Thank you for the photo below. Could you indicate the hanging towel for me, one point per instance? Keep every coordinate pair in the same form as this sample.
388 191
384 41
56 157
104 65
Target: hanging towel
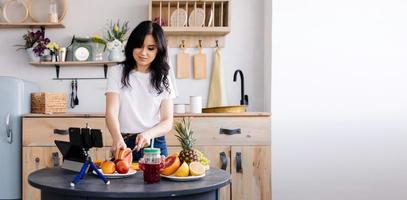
217 93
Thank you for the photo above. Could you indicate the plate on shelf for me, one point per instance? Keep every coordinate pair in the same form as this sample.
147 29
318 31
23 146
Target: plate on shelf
117 175
187 178
182 16
197 18
39 9
14 11
211 14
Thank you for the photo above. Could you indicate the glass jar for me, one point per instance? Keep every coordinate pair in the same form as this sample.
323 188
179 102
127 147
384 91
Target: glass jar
52 14
151 164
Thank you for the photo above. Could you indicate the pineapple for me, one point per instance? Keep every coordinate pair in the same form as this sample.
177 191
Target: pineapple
184 136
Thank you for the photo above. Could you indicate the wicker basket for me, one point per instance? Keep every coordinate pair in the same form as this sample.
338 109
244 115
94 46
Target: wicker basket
48 102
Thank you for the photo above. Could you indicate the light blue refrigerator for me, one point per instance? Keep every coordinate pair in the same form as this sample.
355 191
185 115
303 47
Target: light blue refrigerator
15 100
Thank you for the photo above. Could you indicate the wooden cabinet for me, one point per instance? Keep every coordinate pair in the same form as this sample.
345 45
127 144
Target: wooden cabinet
237 143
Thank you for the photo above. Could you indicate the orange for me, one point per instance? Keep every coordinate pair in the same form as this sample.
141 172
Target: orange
196 169
172 163
98 163
108 167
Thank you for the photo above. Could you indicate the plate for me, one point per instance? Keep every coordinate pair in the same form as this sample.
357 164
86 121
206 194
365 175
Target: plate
210 22
117 175
14 11
187 178
39 9
182 18
199 13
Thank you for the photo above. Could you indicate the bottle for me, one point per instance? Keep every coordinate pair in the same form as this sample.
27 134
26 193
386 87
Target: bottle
52 15
151 164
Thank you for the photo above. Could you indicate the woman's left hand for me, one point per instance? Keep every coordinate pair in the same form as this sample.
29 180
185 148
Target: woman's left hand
142 140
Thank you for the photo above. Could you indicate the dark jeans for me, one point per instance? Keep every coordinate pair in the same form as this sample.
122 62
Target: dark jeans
158 143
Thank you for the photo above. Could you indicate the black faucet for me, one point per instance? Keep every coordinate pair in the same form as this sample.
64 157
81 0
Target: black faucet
244 99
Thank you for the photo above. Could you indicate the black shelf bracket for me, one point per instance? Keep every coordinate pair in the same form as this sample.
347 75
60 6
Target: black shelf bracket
57 67
105 70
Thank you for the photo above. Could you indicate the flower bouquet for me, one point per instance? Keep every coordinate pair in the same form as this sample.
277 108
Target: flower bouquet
116 38
35 43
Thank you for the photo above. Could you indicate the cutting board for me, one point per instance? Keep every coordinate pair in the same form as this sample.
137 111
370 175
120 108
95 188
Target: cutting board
199 65
182 64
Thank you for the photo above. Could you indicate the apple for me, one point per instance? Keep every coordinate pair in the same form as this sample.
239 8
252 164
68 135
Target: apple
122 167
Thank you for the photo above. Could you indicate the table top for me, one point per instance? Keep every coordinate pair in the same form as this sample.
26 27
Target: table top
58 180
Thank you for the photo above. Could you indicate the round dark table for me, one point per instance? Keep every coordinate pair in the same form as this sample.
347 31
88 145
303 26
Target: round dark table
54 183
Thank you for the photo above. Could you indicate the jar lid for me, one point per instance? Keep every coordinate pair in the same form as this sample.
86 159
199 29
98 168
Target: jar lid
152 150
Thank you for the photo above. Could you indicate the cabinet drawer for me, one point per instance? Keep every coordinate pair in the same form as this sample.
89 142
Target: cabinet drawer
41 131
253 131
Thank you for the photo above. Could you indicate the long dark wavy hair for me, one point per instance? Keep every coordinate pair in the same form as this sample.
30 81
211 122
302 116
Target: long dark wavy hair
159 67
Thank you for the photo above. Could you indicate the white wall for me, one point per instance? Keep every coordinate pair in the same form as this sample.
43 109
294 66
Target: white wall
339 100
243 50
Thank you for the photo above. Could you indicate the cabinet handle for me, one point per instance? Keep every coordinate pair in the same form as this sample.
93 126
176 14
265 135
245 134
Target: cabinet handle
55 159
61 132
229 131
224 160
37 160
239 162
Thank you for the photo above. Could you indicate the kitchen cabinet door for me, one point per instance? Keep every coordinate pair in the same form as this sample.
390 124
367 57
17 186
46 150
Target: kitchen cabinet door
251 172
213 154
35 158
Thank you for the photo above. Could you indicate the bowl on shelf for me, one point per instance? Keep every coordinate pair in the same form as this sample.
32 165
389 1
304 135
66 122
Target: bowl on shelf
225 109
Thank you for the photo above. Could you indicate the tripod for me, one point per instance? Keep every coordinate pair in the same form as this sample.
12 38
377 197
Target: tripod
82 173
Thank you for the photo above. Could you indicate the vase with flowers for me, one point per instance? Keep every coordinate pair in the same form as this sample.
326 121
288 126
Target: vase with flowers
53 48
116 38
35 44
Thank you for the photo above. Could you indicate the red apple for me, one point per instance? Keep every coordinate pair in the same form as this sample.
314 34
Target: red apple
122 167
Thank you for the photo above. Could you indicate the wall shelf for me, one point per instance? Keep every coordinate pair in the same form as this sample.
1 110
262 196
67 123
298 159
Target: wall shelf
31 25
211 24
58 65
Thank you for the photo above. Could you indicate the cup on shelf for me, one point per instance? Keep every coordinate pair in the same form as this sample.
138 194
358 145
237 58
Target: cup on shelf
196 104
62 54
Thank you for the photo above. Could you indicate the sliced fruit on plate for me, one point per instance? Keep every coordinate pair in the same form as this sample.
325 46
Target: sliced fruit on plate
196 169
125 154
182 171
172 163
135 166
98 163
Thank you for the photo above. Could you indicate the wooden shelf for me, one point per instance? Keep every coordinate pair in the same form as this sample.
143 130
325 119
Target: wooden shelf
216 21
31 25
58 65
75 63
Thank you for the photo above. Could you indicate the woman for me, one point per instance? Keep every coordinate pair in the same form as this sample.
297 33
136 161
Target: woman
139 93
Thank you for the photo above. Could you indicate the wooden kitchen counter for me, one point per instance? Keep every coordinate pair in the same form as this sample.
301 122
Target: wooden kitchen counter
102 115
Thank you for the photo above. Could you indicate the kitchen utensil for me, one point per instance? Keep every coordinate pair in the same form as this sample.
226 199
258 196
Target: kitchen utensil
200 64
197 18
72 103
179 18
217 93
76 101
225 109
183 64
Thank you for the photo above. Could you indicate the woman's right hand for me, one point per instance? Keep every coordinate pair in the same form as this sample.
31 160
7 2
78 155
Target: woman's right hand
116 146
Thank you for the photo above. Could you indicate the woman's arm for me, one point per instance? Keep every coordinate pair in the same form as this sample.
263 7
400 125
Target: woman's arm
165 125
112 121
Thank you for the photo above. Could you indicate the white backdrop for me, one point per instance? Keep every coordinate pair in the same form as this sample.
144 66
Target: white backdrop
339 100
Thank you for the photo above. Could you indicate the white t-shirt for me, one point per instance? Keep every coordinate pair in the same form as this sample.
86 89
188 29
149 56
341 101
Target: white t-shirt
139 103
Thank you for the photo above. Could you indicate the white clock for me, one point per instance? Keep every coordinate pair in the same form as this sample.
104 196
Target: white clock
81 54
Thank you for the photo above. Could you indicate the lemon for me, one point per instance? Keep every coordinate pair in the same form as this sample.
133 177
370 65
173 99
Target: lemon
183 170
196 169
